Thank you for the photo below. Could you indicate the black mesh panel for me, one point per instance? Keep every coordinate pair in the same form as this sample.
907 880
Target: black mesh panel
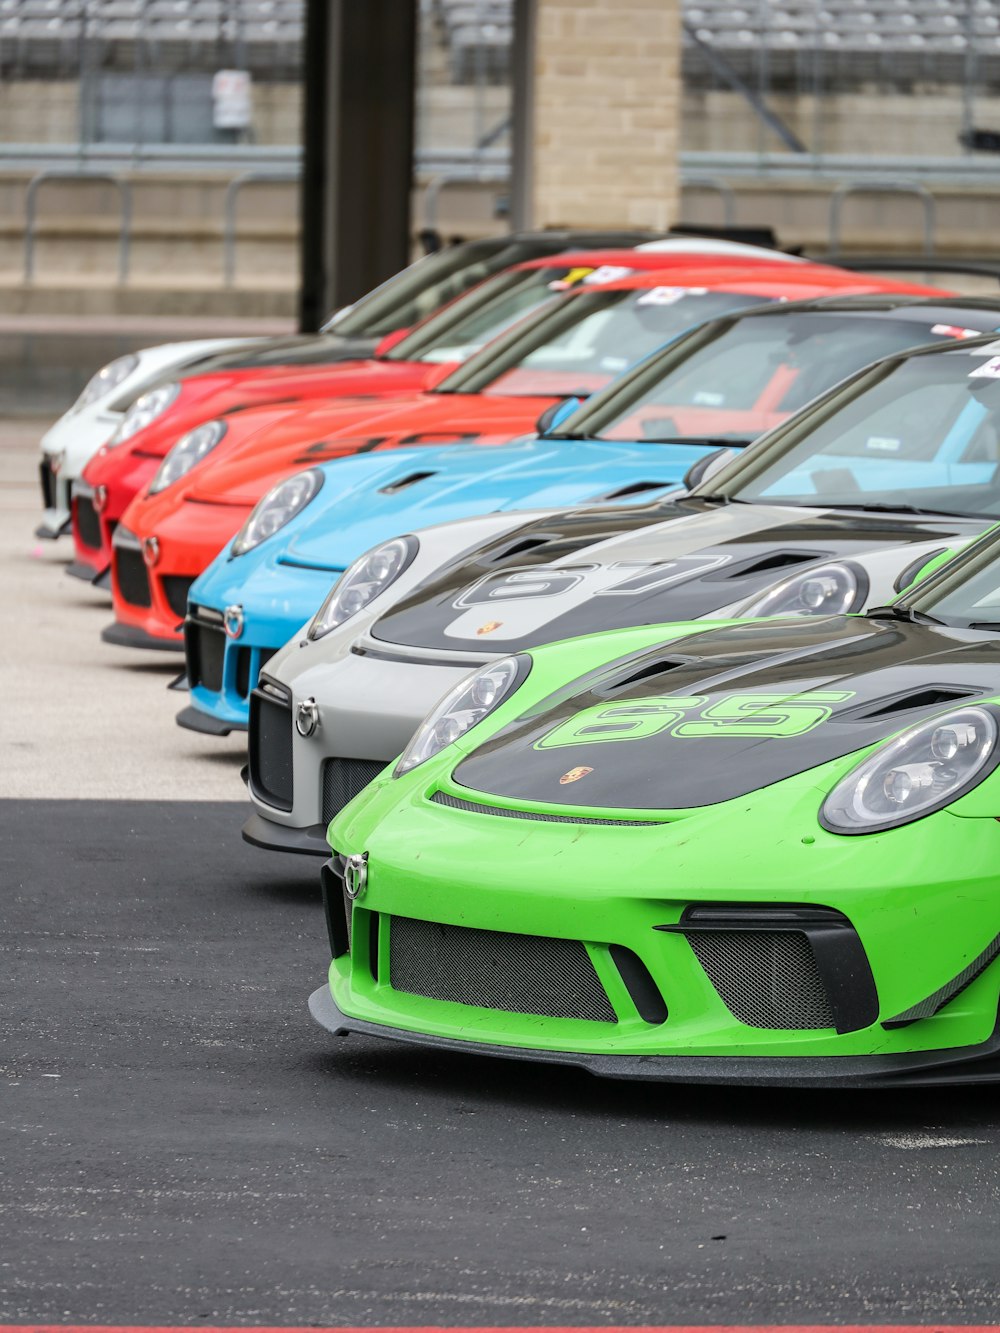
206 649
343 779
88 525
133 578
270 750
175 589
492 969
48 480
765 978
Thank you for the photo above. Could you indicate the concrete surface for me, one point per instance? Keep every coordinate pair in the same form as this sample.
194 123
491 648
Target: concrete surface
80 718
181 1145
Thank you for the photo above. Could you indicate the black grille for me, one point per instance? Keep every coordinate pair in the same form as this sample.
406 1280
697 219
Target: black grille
270 750
48 480
175 590
442 798
133 578
88 525
343 779
205 648
492 969
765 978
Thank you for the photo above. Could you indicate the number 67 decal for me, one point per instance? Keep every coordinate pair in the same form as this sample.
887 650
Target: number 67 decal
773 716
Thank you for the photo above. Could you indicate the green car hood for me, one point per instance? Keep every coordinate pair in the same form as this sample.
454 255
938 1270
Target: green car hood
714 715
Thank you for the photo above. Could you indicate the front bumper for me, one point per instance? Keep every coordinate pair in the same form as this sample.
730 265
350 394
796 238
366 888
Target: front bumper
368 709
966 1065
55 501
153 597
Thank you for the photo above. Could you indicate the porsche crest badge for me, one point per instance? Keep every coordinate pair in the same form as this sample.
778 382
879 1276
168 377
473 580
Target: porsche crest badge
574 775
489 627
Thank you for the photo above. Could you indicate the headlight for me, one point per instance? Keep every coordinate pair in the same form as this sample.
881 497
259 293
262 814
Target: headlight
146 408
107 378
825 590
189 449
362 583
462 708
278 507
923 770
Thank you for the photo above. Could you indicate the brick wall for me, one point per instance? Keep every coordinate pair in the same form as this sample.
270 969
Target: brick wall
607 112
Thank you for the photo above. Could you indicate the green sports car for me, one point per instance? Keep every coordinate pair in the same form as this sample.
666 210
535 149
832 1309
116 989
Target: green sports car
748 852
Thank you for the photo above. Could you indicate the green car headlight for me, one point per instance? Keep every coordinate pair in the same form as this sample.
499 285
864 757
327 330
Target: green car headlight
106 380
144 411
825 590
189 449
463 708
362 582
278 507
923 770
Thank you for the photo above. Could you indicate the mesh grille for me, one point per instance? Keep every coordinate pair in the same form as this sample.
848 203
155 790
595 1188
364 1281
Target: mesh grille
206 653
492 969
48 480
343 779
88 525
133 579
175 589
442 798
765 978
270 751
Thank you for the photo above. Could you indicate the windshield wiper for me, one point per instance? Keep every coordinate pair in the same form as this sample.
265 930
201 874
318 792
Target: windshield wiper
884 507
711 441
899 611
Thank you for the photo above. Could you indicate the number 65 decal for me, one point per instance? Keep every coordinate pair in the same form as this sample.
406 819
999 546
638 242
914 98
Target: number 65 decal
774 716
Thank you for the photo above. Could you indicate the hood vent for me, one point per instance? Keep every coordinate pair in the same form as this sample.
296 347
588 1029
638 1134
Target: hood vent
403 483
521 547
647 672
775 563
934 696
636 488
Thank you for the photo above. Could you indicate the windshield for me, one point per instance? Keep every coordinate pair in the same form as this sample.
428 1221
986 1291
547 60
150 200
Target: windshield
739 378
581 344
425 286
453 334
920 434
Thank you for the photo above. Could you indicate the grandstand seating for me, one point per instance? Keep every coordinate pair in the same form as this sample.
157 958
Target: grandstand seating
780 43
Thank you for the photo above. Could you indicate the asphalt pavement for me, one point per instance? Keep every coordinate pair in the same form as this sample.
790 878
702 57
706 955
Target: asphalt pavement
180 1144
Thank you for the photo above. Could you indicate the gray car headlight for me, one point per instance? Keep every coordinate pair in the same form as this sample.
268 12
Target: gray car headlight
189 449
923 770
106 380
462 708
278 507
362 582
144 411
824 590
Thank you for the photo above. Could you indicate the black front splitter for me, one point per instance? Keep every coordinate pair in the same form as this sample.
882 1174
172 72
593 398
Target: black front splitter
310 841
193 719
46 533
131 636
968 1065
79 569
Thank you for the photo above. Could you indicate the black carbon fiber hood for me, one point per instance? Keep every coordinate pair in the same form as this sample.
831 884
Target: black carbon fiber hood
714 557
673 727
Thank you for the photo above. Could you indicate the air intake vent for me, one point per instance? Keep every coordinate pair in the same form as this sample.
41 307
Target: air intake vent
935 696
648 672
394 487
520 547
766 979
343 779
779 561
442 798
493 969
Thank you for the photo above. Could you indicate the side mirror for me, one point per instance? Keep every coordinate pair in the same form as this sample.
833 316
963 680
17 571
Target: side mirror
707 466
920 568
389 342
556 414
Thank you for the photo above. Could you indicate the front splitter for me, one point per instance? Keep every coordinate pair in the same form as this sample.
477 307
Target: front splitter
968 1065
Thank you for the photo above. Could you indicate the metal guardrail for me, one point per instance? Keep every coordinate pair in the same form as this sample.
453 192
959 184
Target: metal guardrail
911 188
233 190
712 183
124 215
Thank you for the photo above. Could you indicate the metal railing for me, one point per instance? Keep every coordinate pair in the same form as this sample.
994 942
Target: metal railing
233 190
124 215
911 188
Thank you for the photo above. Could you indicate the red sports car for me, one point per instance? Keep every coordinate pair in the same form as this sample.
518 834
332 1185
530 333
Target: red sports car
570 348
404 361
